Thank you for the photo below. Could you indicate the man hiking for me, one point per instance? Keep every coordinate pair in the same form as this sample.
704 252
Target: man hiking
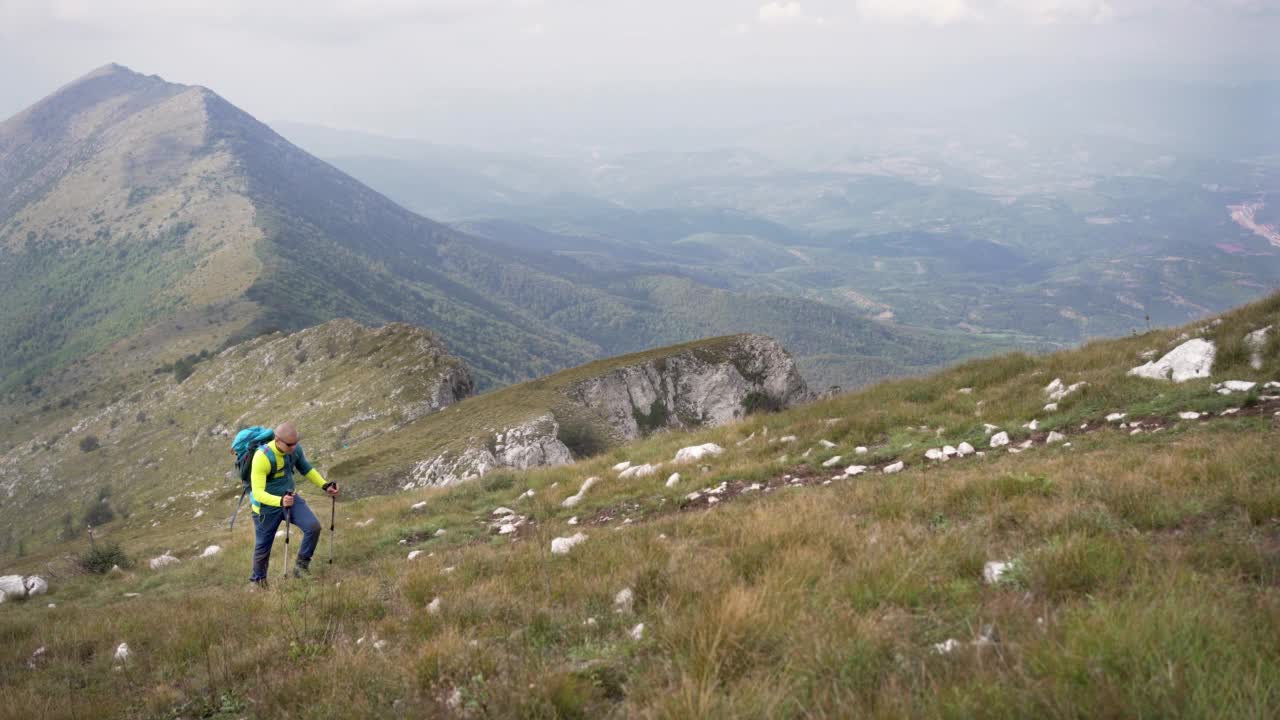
272 496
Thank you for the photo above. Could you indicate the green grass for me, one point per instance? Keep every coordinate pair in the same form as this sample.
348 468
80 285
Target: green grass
1144 585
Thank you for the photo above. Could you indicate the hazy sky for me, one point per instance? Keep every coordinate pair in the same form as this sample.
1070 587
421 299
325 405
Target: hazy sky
403 67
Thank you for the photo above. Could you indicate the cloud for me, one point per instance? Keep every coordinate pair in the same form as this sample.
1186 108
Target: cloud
1048 12
775 13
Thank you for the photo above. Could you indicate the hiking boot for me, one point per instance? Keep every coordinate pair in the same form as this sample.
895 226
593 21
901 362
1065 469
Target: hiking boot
256 585
301 571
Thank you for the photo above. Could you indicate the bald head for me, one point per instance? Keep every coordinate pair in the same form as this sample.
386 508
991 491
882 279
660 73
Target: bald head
286 432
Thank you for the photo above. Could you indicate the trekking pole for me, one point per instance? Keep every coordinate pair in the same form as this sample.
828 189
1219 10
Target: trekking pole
288 519
333 511
237 512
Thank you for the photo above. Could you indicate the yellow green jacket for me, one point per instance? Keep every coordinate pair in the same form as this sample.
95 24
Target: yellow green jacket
269 487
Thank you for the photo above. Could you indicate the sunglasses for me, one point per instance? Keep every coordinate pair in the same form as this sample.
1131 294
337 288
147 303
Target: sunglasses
288 444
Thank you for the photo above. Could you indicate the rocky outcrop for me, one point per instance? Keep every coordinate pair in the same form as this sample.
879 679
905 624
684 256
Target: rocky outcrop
700 386
534 443
703 384
1190 360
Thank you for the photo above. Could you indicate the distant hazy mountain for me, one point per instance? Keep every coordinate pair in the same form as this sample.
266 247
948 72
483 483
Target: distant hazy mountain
143 221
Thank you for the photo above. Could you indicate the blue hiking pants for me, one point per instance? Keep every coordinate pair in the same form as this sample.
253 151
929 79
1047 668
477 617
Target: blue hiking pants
268 521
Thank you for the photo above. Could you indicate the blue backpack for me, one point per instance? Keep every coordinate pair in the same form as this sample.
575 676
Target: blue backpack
245 444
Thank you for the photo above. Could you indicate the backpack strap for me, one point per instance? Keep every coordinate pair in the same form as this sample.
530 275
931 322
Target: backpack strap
271 457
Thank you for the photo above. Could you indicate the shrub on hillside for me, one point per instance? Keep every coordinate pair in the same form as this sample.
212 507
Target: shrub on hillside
89 443
99 513
100 558
758 402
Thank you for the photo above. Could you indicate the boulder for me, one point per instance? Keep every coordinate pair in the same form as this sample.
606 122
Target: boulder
163 561
1233 386
934 454
673 480
413 554
433 607
562 545
697 452
211 551
994 570
1256 342
853 470
1192 359
623 601
832 462
622 466
894 468
1054 437
964 449
1000 439
860 450
1189 415
1116 417
12 587
573 500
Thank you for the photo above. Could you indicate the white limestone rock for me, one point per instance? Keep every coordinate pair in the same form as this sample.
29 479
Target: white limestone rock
965 391
832 462
1189 415
211 551
964 449
1000 439
994 570
949 451
433 607
1256 341
697 452
1054 437
860 450
673 480
1051 407
988 428
163 561
413 554
419 506
637 632
622 466
533 443
1116 417
894 468
122 653
562 545
624 601
1233 386
934 454
947 646
11 587
826 444
1033 425
1192 359
573 500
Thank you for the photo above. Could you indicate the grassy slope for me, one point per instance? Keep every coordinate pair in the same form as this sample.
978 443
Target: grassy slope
1146 580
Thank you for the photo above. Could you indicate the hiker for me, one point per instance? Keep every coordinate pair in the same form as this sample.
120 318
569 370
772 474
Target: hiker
271 482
